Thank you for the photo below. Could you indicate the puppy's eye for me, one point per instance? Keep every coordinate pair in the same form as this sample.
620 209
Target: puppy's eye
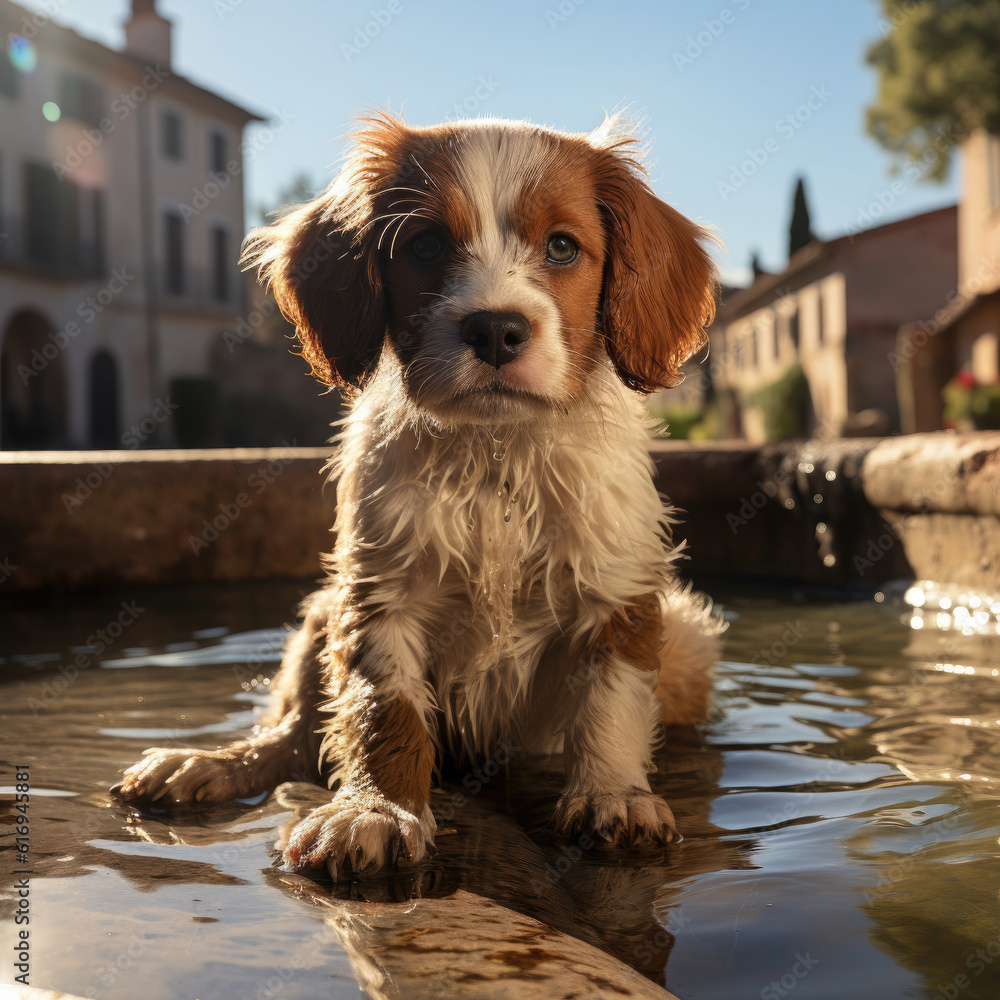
427 247
561 249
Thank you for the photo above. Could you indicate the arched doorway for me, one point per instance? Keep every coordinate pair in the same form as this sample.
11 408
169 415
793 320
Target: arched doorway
32 385
104 424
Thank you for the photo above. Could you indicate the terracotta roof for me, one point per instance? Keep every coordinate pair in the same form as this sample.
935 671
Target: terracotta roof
809 255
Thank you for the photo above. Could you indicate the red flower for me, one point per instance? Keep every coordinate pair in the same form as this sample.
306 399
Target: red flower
966 380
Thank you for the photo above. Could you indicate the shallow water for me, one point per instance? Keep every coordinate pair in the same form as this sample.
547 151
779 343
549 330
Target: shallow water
839 816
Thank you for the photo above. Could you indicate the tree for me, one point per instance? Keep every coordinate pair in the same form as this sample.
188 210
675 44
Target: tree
938 67
301 189
799 233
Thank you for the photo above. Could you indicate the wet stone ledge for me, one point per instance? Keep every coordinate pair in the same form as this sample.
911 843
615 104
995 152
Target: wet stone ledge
853 512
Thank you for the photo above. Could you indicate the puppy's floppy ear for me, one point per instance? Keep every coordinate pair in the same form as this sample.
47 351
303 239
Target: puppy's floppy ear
321 261
659 281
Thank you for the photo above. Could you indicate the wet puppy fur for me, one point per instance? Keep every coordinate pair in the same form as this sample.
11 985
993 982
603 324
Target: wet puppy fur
494 297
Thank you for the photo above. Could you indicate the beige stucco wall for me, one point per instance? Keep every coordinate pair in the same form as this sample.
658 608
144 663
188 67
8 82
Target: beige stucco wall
821 308
979 212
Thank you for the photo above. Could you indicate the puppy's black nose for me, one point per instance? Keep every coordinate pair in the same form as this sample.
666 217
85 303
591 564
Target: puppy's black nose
496 337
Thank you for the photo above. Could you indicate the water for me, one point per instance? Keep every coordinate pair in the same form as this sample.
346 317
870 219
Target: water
839 816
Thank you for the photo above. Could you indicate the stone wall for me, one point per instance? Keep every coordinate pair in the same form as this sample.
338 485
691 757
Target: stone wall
861 512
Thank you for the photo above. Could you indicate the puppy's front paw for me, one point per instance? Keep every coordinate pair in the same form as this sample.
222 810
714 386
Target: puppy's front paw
630 818
367 835
171 775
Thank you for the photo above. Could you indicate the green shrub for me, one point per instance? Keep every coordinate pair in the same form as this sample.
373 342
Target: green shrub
709 428
986 408
969 405
679 421
784 404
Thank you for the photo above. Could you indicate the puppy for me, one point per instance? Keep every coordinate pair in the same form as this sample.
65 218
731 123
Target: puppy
494 297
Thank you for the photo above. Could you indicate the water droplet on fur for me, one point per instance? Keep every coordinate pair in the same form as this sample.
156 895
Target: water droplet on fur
255 756
506 516
498 455
499 493
496 636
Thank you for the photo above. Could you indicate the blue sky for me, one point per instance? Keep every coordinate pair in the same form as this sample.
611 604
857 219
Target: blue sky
738 98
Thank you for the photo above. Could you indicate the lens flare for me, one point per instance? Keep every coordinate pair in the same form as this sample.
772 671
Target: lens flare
22 53
51 111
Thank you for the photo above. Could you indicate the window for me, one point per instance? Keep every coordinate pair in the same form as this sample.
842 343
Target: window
104 411
173 229
217 152
52 219
793 329
754 347
81 99
220 264
8 72
3 228
173 135
819 318
64 223
91 202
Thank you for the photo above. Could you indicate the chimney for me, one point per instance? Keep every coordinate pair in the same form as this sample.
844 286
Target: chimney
147 34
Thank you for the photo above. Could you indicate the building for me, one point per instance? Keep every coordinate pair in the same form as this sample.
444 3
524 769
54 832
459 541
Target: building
826 327
121 218
963 335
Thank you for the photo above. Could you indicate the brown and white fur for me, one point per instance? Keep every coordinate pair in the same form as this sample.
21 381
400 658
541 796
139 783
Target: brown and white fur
503 569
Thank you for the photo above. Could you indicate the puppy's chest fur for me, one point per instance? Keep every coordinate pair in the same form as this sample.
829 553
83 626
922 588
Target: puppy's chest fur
495 556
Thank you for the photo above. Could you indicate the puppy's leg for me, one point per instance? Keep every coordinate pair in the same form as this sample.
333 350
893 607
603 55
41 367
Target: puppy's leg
287 748
383 756
608 743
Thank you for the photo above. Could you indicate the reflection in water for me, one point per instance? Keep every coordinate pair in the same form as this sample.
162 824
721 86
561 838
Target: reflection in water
839 816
